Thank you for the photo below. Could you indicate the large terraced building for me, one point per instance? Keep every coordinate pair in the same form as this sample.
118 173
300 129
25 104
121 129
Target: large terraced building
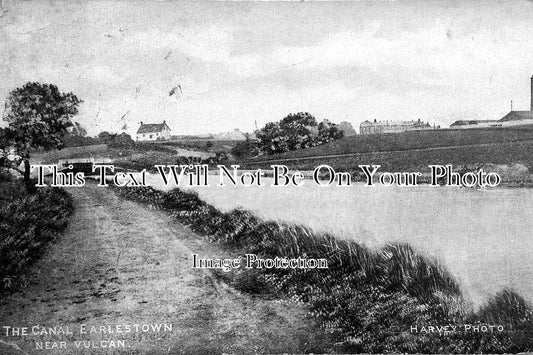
382 127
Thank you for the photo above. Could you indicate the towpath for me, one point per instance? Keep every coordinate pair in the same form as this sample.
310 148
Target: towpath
123 264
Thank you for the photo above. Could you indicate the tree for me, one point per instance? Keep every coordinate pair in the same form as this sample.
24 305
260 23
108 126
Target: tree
271 138
122 140
245 149
77 136
38 117
115 140
328 132
7 159
4 148
295 131
299 129
78 130
105 137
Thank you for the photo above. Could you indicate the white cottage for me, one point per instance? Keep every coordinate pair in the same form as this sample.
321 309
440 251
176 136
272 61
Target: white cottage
153 131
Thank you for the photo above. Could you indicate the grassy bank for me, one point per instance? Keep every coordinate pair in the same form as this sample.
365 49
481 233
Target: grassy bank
368 300
27 224
413 151
414 160
135 157
410 141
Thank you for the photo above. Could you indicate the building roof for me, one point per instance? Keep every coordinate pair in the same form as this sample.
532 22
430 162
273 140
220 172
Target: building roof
412 123
517 116
153 127
366 123
471 122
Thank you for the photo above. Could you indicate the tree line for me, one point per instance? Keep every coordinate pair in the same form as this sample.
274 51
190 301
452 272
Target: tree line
39 117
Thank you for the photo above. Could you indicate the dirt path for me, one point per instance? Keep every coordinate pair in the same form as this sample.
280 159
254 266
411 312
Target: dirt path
121 263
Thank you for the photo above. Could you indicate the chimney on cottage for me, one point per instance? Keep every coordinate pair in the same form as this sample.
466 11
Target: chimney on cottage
141 123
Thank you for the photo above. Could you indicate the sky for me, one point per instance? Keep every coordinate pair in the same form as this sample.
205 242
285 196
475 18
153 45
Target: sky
242 63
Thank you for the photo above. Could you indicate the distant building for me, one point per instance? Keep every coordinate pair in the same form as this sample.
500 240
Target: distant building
516 118
153 131
464 124
513 118
381 127
347 128
235 135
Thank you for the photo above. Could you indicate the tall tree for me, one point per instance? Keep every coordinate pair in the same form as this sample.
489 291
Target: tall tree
38 117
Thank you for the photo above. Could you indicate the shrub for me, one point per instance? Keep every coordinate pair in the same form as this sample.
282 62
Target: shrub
505 307
27 224
245 149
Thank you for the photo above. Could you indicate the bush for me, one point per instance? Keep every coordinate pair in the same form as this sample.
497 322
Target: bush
245 149
27 224
294 132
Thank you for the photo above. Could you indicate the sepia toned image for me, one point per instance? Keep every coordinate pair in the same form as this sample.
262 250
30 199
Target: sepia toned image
266 177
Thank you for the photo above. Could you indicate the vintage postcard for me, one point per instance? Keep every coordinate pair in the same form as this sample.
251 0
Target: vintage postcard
266 177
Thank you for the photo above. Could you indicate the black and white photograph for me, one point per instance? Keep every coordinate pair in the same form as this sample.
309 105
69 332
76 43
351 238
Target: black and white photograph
266 177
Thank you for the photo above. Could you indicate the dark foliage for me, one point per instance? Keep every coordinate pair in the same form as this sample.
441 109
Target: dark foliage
114 140
27 224
245 149
295 132
38 116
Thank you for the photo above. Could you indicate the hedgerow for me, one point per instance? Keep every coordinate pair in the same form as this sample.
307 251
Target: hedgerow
28 222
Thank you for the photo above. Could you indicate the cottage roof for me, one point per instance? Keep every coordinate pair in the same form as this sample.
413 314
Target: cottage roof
152 127
517 115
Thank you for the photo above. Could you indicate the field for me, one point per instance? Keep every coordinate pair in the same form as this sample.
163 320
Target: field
413 151
136 157
52 156
206 145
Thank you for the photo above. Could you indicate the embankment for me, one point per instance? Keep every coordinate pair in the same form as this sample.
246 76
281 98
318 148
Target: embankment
368 300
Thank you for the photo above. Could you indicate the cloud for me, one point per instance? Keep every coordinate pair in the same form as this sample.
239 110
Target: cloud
241 64
209 44
431 50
